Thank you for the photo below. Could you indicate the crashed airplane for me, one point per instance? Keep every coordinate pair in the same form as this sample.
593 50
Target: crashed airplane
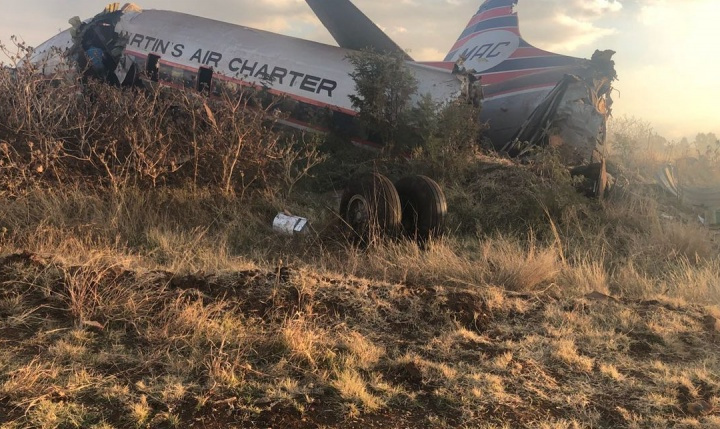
529 96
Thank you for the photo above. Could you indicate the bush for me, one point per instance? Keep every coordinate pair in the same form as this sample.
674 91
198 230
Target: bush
384 86
64 130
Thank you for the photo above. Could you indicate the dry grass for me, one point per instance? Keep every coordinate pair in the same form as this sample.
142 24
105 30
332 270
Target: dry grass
177 319
170 302
276 350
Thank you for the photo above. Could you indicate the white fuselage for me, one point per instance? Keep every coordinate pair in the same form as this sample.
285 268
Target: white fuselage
310 72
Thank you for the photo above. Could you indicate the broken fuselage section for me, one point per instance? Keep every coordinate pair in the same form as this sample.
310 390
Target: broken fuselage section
572 118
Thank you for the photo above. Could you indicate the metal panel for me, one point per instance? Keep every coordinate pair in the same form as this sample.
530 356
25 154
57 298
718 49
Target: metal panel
310 72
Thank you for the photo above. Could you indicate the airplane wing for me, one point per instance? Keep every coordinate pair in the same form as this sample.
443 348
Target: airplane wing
351 28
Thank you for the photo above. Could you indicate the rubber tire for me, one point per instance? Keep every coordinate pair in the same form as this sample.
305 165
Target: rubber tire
424 207
382 207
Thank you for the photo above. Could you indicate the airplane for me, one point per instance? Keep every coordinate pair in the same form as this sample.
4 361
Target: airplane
516 76
189 51
528 94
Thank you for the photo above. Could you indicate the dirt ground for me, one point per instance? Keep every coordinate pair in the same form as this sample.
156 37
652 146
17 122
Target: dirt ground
295 349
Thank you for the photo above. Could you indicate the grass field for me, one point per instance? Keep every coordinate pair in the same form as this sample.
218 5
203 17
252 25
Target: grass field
141 285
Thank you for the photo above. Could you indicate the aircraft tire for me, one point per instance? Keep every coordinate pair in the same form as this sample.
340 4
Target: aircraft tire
370 206
424 207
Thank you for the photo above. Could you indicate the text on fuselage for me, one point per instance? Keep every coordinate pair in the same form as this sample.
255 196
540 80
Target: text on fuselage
240 67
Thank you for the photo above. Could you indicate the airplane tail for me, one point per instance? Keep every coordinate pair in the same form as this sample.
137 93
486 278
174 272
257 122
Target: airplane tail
492 45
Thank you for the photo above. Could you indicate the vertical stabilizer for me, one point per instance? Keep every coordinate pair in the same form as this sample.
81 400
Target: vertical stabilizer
492 45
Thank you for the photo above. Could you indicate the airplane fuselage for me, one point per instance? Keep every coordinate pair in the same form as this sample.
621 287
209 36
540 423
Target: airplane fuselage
187 51
307 71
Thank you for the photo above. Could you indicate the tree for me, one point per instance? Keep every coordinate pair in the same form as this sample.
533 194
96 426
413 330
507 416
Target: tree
708 146
384 87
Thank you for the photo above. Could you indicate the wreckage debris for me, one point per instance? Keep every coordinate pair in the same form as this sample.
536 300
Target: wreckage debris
541 98
705 198
290 225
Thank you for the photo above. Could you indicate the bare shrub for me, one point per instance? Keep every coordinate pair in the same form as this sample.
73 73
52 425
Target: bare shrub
66 130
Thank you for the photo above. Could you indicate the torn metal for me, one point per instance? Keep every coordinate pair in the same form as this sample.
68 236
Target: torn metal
705 198
98 45
573 116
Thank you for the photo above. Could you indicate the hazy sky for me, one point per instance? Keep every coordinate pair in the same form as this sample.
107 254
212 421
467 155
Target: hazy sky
667 50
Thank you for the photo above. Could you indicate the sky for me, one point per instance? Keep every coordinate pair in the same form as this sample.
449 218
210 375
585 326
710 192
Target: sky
667 50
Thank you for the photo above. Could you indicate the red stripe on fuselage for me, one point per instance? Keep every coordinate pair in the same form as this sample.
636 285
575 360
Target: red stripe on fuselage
492 78
531 53
522 89
444 65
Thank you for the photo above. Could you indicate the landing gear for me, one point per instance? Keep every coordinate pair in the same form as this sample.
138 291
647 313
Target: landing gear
373 207
424 207
370 206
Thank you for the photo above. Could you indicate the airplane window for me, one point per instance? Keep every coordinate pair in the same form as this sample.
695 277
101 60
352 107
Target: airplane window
178 76
166 72
205 75
219 86
152 67
189 79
